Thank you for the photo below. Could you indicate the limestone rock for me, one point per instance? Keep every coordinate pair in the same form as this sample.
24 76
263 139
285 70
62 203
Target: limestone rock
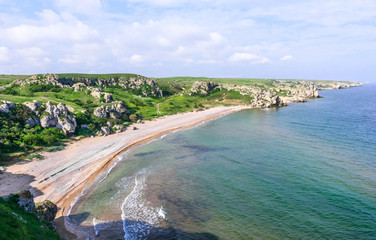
147 86
98 92
203 88
78 87
119 128
48 121
104 131
6 106
67 123
26 200
108 97
32 121
33 105
115 111
59 116
46 210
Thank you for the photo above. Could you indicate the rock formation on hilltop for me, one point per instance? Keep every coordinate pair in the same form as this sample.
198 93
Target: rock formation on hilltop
144 85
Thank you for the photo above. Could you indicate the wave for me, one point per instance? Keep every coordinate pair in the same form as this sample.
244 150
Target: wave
138 217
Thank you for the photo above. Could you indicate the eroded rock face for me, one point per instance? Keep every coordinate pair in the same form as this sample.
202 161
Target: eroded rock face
33 105
59 117
26 200
115 111
203 88
67 123
98 93
33 121
46 210
48 121
78 87
6 106
106 130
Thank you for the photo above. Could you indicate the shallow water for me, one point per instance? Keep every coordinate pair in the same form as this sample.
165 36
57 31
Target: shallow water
303 171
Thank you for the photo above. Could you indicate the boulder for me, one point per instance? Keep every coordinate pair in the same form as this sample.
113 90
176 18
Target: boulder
104 131
67 123
119 128
48 121
46 210
6 106
115 111
101 112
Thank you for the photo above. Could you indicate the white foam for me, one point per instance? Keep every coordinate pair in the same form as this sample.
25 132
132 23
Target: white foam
138 216
162 213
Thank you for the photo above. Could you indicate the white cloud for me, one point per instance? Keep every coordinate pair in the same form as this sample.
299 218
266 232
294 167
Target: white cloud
287 58
58 29
254 59
33 56
48 16
4 54
86 7
135 58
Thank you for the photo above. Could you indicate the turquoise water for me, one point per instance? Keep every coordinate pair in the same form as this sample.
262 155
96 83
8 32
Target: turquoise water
306 171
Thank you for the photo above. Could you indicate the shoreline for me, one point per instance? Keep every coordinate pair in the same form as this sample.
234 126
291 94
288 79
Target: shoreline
63 175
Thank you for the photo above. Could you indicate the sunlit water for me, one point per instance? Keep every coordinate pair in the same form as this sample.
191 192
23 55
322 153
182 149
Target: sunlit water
306 171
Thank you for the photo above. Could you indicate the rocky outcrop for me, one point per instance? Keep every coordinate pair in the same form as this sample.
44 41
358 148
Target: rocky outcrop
203 88
46 210
115 111
59 117
26 200
106 130
78 87
33 121
146 86
98 93
119 128
6 106
33 105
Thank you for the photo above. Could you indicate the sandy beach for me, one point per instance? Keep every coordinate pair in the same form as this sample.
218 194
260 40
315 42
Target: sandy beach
62 175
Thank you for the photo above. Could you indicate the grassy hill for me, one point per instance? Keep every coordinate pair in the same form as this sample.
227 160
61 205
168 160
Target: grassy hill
136 92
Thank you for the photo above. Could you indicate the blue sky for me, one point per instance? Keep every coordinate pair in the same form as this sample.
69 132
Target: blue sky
320 39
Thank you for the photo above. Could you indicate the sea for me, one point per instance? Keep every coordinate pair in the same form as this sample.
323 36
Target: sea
304 171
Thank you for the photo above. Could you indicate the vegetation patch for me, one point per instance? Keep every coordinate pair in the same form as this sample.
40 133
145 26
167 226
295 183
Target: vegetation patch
16 223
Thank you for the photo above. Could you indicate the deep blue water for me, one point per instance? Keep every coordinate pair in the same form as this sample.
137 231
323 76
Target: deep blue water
306 171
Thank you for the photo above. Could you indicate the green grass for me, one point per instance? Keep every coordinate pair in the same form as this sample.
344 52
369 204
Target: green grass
6 79
188 81
16 223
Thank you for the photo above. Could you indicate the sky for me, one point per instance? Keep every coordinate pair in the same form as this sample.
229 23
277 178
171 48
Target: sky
297 39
